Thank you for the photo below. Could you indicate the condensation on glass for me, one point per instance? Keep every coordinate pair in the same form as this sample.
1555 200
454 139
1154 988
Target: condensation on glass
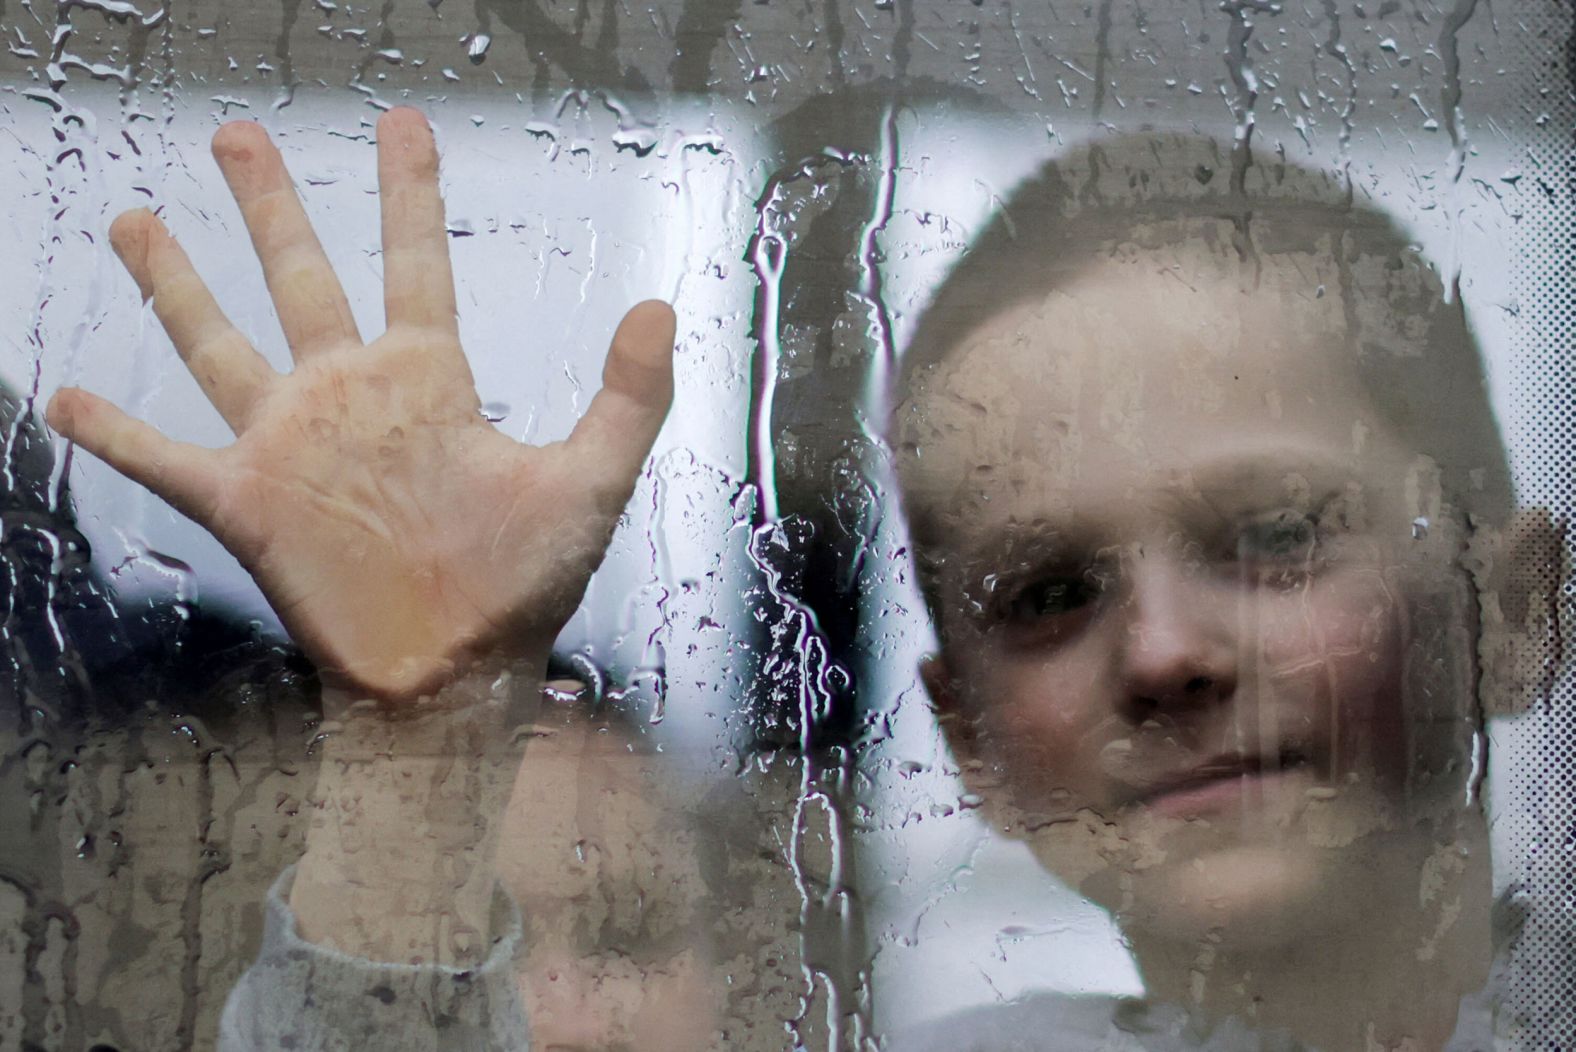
1192 676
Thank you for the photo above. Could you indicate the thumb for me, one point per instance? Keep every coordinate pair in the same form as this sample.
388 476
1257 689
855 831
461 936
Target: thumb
615 435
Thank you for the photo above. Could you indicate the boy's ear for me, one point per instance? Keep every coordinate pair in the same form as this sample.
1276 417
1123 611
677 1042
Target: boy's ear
936 675
946 702
981 776
937 678
1518 571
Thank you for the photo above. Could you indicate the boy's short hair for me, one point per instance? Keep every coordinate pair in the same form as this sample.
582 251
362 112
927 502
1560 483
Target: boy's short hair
1154 190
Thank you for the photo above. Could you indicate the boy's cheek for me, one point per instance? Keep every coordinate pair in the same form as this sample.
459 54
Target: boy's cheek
1336 656
1349 623
1037 723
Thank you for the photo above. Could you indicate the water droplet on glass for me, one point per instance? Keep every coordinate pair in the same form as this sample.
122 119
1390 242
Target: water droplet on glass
641 141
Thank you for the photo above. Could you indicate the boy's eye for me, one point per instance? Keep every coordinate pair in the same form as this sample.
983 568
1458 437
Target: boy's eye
1053 596
1286 535
1285 544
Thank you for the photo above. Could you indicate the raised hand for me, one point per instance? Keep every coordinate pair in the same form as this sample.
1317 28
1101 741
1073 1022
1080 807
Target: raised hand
398 535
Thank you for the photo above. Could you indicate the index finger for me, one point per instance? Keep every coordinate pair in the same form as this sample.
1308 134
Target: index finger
615 435
418 285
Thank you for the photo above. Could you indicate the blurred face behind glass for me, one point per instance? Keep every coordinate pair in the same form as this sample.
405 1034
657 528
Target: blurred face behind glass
1197 649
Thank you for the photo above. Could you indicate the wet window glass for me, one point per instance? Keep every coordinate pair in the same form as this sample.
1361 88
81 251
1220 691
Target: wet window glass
885 525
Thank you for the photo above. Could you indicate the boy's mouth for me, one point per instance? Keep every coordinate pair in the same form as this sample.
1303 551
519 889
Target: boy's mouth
1220 782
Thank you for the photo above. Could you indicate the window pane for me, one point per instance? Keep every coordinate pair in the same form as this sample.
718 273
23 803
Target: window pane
1104 561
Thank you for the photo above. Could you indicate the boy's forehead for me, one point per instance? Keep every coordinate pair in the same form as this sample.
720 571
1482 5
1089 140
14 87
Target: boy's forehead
1144 357
1125 335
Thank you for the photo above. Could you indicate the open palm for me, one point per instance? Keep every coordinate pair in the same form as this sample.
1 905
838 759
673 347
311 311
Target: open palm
397 534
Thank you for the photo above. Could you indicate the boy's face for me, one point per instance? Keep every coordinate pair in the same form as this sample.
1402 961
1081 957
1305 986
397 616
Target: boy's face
1198 647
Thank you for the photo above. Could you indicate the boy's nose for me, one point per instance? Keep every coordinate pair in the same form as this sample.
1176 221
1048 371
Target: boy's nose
1179 648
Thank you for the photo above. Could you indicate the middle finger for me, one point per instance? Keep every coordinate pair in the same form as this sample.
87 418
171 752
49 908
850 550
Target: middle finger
313 310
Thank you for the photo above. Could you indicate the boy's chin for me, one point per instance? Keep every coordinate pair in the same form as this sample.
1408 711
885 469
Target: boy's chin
1244 897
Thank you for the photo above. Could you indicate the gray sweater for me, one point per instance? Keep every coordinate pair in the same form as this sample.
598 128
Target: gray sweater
304 997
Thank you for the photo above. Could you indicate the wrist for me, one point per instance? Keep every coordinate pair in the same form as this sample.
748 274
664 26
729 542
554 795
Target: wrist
399 859
422 684
474 715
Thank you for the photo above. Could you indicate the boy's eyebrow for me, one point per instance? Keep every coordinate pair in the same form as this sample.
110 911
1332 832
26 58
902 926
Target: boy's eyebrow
1027 542
1277 471
1280 472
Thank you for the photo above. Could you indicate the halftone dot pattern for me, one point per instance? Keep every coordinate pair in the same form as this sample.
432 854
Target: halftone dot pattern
1539 753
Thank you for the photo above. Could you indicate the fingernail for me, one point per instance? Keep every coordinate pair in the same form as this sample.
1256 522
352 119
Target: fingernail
129 237
57 414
